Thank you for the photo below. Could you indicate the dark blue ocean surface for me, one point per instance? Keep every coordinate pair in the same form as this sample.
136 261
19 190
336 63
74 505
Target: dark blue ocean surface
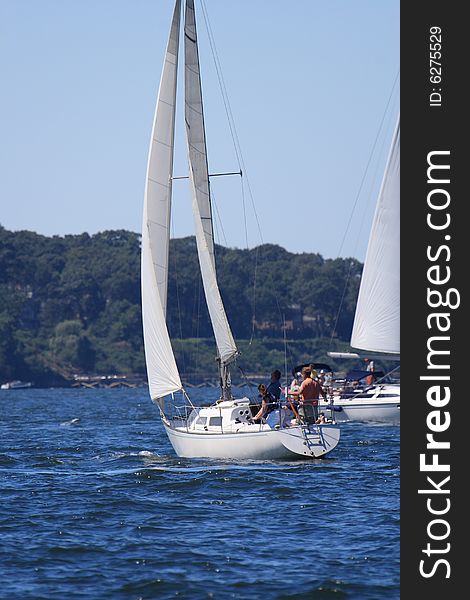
100 507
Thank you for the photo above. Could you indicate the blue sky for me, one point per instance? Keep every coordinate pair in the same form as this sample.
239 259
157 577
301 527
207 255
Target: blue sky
308 83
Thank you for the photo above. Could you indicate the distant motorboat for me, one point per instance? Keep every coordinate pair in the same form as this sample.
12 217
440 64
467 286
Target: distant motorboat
16 385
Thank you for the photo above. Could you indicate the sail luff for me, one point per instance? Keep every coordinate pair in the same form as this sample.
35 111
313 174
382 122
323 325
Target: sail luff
158 189
199 177
163 376
377 320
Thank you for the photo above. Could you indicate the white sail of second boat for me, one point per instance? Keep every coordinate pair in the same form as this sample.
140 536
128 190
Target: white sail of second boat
377 321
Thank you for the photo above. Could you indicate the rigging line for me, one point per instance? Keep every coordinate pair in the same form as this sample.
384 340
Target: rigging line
228 111
194 323
354 208
244 213
255 281
198 318
345 287
368 195
249 383
218 222
283 320
197 309
368 163
176 271
373 180
285 350
209 175
255 274
237 148
381 379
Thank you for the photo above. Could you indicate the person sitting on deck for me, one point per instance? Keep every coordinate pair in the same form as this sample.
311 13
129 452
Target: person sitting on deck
270 396
266 403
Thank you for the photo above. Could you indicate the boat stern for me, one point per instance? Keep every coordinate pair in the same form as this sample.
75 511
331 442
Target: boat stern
312 441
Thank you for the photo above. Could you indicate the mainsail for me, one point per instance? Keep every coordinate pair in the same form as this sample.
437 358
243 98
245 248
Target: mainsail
199 177
377 320
163 376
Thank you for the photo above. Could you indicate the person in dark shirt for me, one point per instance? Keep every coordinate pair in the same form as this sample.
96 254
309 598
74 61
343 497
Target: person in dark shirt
265 399
274 388
269 396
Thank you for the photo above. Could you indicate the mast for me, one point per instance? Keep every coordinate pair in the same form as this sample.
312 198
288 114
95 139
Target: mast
201 204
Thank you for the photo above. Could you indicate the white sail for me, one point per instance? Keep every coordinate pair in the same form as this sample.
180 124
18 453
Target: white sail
199 176
160 161
163 376
377 320
194 117
162 372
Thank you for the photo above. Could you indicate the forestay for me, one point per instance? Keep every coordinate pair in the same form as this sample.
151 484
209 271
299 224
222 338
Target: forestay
377 320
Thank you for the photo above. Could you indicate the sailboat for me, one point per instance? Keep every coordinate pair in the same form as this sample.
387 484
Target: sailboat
224 429
376 327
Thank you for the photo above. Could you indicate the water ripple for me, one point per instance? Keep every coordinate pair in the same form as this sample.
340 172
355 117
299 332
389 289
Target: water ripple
106 510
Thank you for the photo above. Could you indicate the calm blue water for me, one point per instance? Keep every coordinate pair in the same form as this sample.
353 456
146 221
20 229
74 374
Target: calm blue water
101 508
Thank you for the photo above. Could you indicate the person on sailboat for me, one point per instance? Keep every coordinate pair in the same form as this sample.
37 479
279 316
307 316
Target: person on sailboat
266 403
269 395
370 367
309 394
295 383
274 388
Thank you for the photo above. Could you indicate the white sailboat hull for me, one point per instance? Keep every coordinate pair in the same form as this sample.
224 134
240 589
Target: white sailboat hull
382 405
291 443
374 412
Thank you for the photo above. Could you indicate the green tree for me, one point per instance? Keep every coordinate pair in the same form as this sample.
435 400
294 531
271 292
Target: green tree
72 304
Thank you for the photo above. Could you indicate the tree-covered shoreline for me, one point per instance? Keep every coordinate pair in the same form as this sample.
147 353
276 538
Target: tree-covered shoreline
70 306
